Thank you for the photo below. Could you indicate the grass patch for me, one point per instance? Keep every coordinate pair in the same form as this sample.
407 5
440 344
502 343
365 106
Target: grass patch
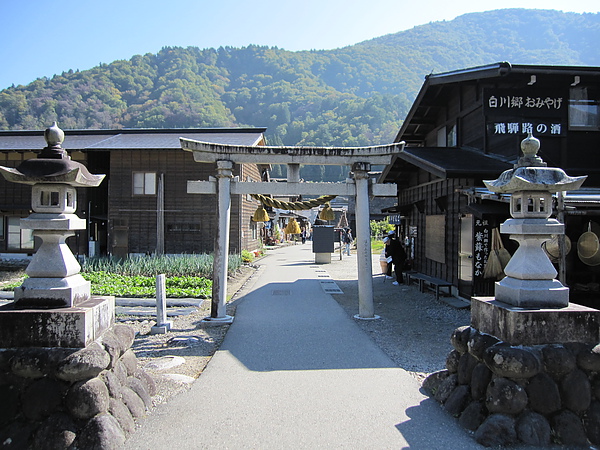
104 283
376 245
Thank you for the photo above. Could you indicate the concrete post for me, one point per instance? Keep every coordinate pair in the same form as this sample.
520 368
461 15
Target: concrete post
219 289
162 324
363 242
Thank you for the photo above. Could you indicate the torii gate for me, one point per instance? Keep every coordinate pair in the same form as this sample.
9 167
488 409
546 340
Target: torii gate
358 158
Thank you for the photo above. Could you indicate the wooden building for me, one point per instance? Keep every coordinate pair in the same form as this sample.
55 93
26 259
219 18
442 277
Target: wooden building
466 126
143 199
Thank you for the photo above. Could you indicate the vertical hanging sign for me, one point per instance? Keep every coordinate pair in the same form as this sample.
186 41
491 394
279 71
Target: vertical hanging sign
481 251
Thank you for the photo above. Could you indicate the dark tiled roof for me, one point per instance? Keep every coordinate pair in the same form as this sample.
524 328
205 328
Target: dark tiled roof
130 139
454 162
444 162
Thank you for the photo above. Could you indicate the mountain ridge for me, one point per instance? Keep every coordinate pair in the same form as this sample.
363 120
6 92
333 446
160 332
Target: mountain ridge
351 96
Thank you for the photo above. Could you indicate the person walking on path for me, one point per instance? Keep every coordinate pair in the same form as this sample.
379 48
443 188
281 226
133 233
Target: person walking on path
388 259
348 240
396 251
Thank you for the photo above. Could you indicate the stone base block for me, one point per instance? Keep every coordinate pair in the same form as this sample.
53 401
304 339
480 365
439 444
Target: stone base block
74 327
532 293
528 326
162 328
52 292
323 258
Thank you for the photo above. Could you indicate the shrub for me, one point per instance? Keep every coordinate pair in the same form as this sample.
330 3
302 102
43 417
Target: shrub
247 256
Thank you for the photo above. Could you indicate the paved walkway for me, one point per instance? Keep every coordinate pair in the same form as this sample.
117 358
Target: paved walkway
295 372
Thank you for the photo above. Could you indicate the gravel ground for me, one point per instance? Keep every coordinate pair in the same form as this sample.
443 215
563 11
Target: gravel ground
175 359
414 328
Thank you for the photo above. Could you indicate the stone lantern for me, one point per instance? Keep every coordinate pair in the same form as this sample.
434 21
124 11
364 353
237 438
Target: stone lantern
528 351
54 279
53 306
530 276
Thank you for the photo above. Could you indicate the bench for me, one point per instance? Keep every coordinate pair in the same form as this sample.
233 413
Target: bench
408 276
435 284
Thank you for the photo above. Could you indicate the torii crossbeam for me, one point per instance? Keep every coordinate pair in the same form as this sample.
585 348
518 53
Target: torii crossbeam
223 185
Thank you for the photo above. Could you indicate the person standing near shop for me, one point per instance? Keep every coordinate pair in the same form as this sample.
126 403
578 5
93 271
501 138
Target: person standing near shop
398 254
385 259
348 240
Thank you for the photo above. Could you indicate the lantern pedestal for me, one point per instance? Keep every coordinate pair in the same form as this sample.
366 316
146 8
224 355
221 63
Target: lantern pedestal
529 326
54 280
529 280
532 293
75 327
52 292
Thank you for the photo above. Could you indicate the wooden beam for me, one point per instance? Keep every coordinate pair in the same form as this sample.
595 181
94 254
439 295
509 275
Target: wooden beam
210 152
246 187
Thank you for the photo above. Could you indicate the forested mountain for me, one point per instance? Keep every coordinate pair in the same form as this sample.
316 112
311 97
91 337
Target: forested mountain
356 95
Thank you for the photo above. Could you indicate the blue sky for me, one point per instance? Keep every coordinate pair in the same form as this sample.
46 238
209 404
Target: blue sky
42 38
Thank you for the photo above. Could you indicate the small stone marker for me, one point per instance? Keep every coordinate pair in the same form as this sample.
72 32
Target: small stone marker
162 324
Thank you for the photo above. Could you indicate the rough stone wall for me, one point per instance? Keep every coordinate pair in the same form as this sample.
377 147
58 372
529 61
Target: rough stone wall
508 395
57 398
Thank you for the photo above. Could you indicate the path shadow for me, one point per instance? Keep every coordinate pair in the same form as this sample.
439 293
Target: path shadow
297 326
442 431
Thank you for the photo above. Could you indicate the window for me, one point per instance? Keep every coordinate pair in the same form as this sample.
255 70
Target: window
583 108
441 137
451 140
17 238
49 198
144 183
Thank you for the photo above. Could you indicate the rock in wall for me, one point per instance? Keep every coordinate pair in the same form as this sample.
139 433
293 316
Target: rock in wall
61 398
507 395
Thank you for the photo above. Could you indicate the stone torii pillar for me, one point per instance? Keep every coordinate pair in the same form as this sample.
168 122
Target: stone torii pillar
363 240
224 185
221 253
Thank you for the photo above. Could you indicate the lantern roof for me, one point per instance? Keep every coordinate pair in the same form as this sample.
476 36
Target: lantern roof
531 173
53 165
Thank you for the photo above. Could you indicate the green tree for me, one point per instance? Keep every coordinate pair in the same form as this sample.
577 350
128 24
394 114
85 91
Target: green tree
379 228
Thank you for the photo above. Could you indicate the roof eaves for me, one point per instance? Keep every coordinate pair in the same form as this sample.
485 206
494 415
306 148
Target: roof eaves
473 73
492 70
423 163
116 132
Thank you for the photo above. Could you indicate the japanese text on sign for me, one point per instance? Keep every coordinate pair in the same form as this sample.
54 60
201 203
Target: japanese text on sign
515 103
537 128
481 248
518 102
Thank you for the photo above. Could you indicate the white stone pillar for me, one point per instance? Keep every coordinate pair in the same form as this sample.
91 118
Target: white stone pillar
363 242
219 289
162 324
